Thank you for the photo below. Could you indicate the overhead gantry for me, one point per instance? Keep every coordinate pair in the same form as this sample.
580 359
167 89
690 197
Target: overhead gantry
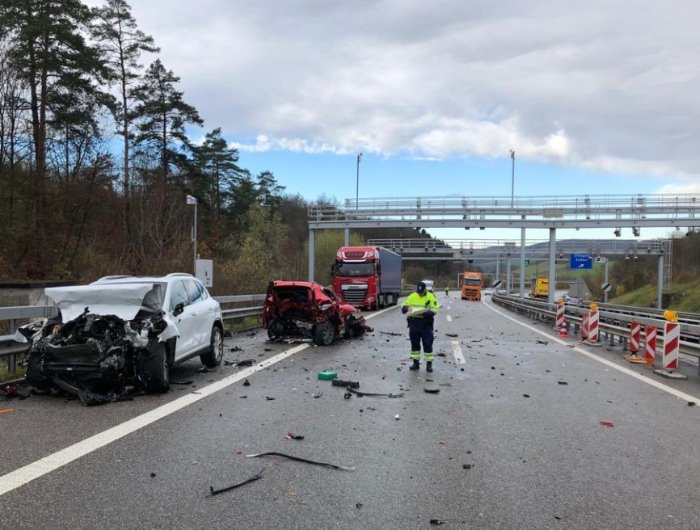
542 212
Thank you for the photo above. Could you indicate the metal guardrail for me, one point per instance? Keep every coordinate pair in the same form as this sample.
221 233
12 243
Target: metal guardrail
232 308
614 320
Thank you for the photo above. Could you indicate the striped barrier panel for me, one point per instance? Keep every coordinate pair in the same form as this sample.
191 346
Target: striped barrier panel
635 336
593 320
635 340
560 315
584 327
650 344
672 335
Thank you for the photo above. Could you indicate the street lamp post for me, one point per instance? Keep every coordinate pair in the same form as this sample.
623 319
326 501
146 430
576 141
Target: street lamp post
357 181
189 199
512 178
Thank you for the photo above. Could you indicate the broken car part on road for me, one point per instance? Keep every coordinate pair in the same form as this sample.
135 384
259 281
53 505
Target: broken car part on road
229 488
299 459
372 394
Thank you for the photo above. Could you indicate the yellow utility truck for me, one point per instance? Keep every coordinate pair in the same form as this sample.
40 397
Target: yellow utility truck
471 286
540 288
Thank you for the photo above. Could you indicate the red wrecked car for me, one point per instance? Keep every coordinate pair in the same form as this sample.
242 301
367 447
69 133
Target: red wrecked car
309 310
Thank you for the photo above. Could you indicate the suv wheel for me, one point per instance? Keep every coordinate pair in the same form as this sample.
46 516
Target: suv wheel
213 357
153 368
324 333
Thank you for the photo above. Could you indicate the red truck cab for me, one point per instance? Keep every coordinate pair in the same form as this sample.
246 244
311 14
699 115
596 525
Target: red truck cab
367 277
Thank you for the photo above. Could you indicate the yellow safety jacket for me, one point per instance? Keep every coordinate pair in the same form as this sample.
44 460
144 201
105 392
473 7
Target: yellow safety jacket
417 304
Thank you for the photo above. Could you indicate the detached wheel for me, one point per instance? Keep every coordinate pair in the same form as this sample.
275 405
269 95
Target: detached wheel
324 333
153 369
213 357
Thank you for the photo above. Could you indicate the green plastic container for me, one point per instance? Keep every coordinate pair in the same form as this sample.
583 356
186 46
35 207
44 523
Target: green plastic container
327 376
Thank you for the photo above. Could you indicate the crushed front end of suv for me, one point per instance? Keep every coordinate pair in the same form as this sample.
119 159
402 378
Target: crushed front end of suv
307 310
114 339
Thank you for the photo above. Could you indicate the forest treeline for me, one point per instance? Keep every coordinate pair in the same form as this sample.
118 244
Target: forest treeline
96 160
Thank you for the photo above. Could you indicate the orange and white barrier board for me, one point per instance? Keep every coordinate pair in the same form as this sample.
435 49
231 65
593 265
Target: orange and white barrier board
635 336
560 315
593 318
672 339
650 344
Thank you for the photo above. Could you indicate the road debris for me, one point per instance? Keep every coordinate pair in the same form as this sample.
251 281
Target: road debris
467 466
392 333
545 342
246 383
292 436
245 362
316 396
396 417
431 390
229 488
562 383
14 391
7 411
453 335
327 375
299 459
236 348
269 398
436 522
373 394
608 424
346 384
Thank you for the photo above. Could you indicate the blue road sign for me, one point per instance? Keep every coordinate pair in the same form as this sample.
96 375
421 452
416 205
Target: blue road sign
581 261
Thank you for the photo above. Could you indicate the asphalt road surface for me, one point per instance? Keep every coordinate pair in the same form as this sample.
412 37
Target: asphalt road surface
528 430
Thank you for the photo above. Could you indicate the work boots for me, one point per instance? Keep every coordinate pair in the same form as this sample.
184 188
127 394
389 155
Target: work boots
429 366
415 365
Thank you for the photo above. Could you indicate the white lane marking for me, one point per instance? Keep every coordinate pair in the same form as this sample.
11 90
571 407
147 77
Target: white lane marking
457 350
23 475
623 369
449 318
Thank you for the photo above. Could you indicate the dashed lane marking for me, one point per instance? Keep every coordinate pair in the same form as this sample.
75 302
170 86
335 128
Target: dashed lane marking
457 351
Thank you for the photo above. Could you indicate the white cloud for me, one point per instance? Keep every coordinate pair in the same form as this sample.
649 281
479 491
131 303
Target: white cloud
602 85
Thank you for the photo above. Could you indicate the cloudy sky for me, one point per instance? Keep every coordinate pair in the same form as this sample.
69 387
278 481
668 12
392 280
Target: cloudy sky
594 96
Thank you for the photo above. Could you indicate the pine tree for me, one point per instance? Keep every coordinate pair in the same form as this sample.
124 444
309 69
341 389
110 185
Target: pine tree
162 115
218 170
123 43
50 53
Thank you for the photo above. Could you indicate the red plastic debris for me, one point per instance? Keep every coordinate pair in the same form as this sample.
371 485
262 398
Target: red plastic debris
607 424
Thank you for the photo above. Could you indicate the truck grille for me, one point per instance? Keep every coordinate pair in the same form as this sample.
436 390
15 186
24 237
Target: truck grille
354 296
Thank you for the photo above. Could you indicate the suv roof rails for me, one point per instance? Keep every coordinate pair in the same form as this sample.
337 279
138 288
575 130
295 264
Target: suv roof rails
178 274
115 277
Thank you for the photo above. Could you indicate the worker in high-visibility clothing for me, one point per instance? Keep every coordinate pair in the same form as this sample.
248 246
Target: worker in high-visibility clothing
421 307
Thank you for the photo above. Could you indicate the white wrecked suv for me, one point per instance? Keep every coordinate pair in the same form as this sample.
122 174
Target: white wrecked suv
122 334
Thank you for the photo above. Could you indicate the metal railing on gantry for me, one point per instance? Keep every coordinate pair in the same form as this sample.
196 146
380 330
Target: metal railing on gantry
553 211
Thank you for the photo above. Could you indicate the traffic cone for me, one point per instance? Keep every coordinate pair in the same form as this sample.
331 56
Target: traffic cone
563 332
